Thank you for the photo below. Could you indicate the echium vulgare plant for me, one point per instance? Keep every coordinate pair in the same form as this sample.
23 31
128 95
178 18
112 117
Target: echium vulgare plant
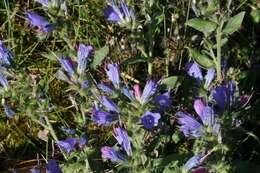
133 114
135 117
214 111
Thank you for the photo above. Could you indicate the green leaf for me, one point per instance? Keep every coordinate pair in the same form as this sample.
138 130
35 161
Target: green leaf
51 56
99 56
255 14
172 81
203 60
234 23
201 25
134 60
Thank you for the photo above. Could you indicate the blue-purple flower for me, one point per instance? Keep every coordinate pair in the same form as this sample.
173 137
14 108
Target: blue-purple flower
67 65
191 127
150 120
43 2
4 81
53 167
84 84
110 153
68 144
123 139
193 162
35 170
39 21
163 100
103 118
194 70
109 104
220 96
5 55
105 88
119 15
82 141
128 93
82 57
8 111
67 130
224 94
231 87
209 77
113 74
149 89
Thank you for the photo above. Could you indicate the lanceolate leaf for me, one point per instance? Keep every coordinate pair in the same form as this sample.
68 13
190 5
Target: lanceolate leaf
234 23
99 56
172 81
203 60
201 25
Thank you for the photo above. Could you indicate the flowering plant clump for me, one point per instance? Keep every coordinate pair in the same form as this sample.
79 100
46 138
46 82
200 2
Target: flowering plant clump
129 86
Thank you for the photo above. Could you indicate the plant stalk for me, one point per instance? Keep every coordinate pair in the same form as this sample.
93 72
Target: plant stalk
218 60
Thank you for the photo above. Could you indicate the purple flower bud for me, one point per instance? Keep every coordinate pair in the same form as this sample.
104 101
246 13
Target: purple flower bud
39 21
220 96
105 88
84 84
113 74
199 107
119 15
125 9
67 66
123 139
43 2
68 144
82 141
8 111
231 87
103 118
208 116
137 91
83 56
224 94
109 104
194 70
244 99
199 170
128 93
53 167
149 89
109 153
163 100
67 130
35 170
190 127
193 162
150 120
113 14
5 55
4 81
209 77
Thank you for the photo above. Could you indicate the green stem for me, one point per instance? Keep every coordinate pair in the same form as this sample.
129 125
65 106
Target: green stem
52 132
218 60
150 68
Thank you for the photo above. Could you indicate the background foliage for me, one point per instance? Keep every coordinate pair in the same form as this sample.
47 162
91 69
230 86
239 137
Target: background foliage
165 35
